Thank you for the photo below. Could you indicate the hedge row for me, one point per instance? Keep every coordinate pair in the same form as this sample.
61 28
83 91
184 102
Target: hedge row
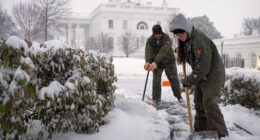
65 89
241 89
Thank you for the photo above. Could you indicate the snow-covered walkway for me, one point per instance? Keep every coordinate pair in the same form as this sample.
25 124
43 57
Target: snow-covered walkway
132 119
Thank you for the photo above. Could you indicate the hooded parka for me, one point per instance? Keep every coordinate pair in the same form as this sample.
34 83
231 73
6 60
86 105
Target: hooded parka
201 53
208 75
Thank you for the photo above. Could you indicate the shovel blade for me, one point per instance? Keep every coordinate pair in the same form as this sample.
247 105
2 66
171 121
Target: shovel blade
204 135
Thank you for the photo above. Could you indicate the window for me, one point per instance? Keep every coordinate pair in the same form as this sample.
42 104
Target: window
253 60
142 26
125 24
142 41
238 55
110 24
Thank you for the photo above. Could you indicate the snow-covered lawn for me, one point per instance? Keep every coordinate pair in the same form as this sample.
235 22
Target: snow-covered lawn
132 119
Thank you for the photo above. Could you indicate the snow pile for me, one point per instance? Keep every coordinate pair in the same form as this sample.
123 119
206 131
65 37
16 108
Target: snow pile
243 72
131 119
16 43
53 90
125 125
246 118
53 45
135 67
126 67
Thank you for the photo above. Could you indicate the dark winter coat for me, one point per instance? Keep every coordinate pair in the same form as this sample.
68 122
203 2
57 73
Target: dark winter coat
201 53
162 52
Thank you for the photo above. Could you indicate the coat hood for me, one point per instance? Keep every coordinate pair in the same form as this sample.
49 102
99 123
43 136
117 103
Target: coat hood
180 22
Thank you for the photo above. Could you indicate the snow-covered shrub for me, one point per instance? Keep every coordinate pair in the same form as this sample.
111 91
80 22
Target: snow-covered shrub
242 87
84 90
17 88
65 89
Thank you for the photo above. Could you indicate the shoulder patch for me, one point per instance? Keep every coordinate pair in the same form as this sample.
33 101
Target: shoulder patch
197 52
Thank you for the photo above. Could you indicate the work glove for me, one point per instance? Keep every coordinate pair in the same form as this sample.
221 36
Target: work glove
146 66
152 67
186 83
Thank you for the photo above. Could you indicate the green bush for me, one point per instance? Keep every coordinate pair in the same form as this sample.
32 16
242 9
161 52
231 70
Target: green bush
65 89
84 105
243 91
17 91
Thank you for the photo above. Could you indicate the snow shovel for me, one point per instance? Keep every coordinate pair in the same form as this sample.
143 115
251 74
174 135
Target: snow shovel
201 135
145 84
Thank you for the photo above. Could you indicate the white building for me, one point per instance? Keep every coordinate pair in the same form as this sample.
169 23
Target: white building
115 18
246 48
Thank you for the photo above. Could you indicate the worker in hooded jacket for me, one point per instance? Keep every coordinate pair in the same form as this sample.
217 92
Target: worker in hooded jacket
208 74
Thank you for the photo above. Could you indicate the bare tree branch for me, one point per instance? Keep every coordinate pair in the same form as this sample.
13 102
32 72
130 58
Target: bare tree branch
51 12
128 43
101 43
7 26
251 26
27 15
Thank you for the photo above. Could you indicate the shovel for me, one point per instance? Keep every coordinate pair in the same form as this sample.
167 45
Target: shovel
147 76
201 135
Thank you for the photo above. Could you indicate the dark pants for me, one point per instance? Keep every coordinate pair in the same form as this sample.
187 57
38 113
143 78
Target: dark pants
208 114
171 73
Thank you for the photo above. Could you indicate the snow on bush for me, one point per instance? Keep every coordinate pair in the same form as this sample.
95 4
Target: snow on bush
242 87
88 92
17 88
16 43
66 89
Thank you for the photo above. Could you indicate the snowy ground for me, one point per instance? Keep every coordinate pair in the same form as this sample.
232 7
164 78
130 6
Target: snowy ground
132 119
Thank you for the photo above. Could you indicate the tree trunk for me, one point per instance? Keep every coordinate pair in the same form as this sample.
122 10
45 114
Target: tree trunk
46 25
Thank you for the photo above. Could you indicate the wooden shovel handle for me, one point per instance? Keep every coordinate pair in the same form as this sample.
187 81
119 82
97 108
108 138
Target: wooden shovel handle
188 100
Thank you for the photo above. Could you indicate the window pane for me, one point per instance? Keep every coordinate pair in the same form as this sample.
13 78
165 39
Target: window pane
141 27
110 24
253 60
124 24
142 40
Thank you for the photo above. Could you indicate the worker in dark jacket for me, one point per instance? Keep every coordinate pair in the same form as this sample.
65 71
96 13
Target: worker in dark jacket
208 74
159 56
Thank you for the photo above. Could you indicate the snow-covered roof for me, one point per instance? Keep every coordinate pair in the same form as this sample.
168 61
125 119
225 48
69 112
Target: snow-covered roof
238 40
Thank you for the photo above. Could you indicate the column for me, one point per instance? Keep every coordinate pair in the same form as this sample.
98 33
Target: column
86 34
73 39
67 33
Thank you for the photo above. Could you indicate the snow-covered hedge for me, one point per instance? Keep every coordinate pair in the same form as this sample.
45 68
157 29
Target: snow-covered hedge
17 88
66 89
242 87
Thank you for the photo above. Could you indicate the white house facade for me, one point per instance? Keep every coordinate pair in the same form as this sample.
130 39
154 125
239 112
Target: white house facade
246 48
115 18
